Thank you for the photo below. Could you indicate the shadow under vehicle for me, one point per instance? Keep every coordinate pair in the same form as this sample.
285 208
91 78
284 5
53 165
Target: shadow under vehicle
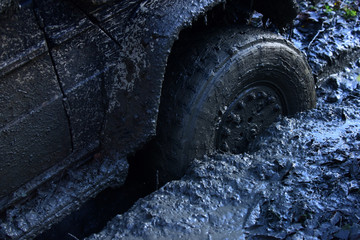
94 81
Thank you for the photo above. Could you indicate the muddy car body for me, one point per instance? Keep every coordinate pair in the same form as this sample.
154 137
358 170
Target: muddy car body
83 80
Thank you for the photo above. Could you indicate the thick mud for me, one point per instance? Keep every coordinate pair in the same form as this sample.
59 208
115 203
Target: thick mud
300 180
327 34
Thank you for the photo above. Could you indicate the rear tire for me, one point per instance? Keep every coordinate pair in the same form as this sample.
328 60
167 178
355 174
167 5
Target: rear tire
227 86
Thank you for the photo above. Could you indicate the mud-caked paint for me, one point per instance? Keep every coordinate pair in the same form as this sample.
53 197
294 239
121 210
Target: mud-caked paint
21 159
8 8
109 68
145 33
19 48
34 129
102 84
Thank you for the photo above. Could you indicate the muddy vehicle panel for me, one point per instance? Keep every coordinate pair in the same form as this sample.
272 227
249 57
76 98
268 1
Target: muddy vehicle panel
80 78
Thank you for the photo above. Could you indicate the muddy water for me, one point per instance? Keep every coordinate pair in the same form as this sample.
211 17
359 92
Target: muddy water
300 180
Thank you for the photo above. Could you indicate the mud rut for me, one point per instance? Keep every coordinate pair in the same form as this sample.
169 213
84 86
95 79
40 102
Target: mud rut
300 178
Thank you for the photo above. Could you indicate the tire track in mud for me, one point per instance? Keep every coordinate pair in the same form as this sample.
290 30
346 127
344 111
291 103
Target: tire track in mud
300 180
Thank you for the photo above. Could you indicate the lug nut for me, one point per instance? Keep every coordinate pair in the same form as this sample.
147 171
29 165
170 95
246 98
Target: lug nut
226 132
250 97
233 118
230 118
261 95
270 99
239 141
253 131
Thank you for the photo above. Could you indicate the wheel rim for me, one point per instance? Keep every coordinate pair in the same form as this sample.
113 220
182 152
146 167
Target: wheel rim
249 114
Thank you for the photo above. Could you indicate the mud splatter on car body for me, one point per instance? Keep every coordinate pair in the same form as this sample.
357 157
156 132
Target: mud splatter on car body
87 77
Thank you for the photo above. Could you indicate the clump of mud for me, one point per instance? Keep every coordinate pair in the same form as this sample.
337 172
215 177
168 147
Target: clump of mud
319 196
329 33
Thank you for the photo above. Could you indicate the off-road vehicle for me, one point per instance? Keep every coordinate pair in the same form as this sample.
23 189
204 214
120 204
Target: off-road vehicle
84 83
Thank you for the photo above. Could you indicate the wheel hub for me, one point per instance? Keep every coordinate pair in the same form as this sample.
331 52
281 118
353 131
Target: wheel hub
251 112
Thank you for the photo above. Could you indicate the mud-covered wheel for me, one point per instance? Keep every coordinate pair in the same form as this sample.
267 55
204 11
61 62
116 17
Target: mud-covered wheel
225 87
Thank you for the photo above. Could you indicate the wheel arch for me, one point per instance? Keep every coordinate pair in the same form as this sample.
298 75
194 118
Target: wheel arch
153 29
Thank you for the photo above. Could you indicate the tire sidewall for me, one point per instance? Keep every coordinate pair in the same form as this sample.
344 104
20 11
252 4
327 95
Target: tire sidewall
223 69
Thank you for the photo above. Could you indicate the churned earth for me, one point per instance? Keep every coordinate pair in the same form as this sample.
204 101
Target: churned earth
298 180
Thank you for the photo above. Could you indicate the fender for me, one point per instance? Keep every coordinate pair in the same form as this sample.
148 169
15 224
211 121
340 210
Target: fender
106 64
146 40
110 61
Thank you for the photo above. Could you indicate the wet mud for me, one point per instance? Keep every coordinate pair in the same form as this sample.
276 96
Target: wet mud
299 180
327 34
